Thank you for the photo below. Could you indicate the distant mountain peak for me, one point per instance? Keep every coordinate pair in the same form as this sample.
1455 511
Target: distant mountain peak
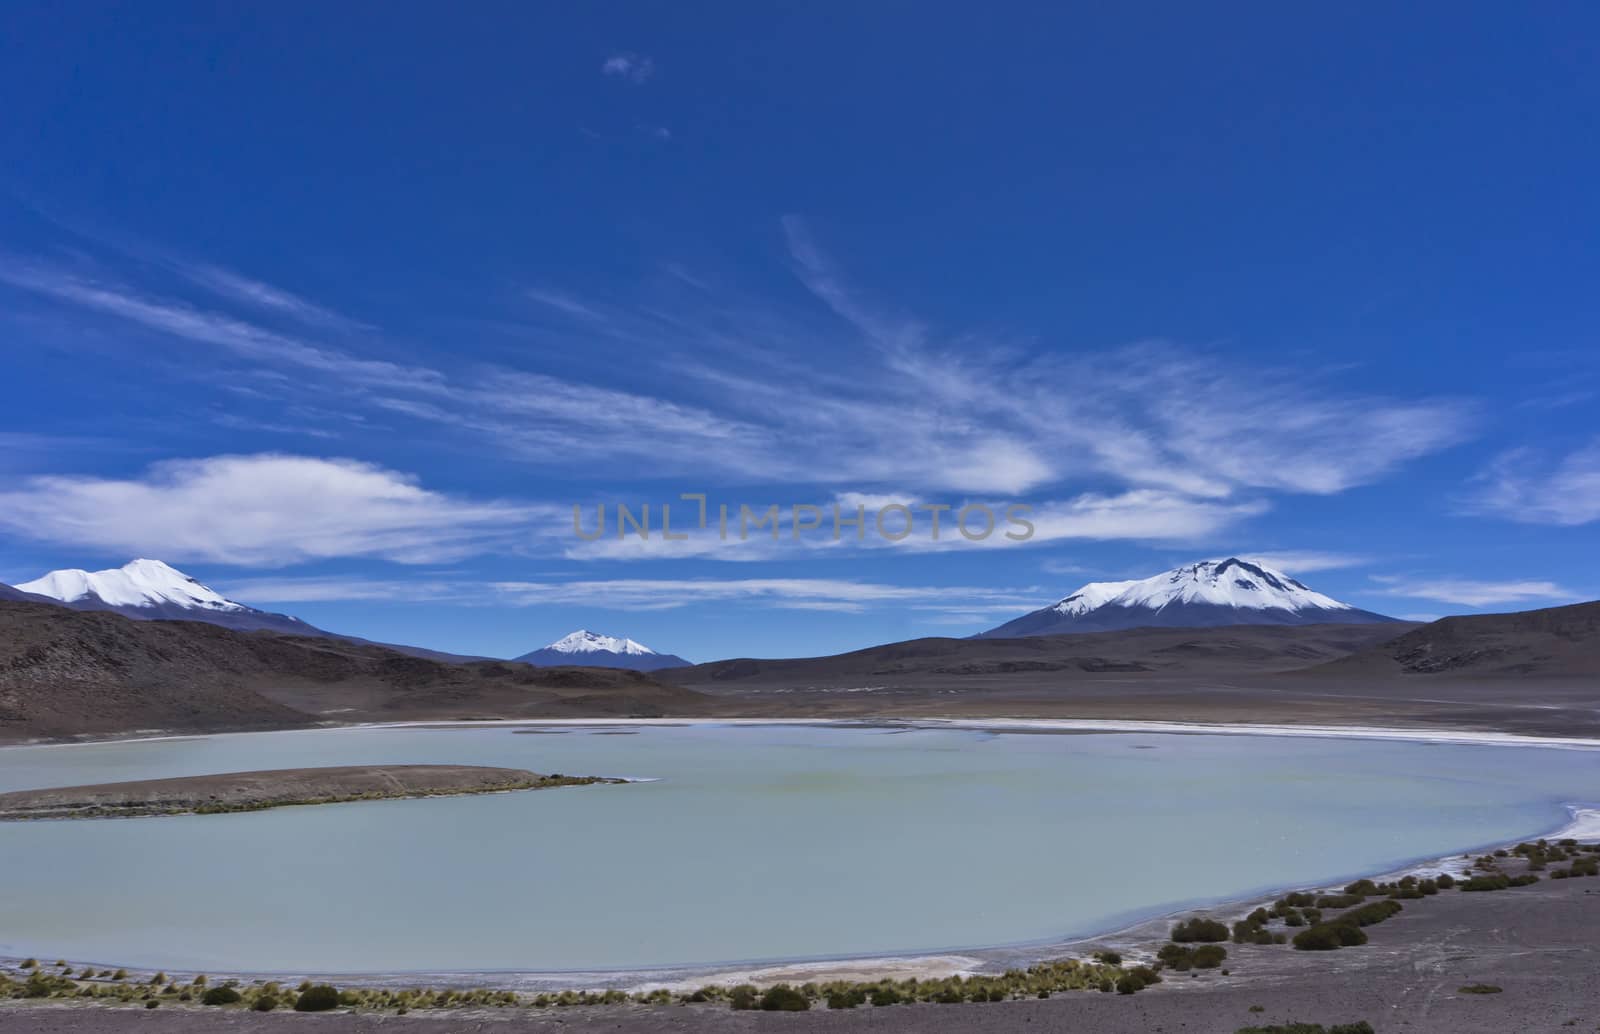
138 583
1229 591
593 650
1232 582
585 641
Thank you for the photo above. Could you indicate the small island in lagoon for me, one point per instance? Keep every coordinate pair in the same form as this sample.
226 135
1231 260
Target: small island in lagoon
276 788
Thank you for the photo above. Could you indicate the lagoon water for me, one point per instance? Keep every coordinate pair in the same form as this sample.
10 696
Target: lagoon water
752 842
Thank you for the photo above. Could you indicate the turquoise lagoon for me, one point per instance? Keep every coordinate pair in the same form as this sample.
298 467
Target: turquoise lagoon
747 842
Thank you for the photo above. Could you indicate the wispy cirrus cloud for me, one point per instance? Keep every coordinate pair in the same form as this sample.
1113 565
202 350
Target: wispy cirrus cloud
1531 487
264 296
1148 442
262 510
634 594
1143 515
1474 593
235 334
633 68
1308 561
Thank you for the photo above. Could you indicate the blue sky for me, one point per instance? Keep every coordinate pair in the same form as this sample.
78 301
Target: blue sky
341 308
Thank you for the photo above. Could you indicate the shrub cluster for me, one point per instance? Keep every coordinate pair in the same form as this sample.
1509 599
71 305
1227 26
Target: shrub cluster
1344 930
1252 929
1497 881
1184 958
783 998
1200 929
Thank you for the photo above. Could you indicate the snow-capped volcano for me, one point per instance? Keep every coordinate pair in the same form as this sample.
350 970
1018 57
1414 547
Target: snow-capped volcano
592 650
150 590
138 583
1208 593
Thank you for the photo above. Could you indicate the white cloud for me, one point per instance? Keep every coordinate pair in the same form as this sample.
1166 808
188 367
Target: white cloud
635 68
1307 561
1471 593
1524 486
259 510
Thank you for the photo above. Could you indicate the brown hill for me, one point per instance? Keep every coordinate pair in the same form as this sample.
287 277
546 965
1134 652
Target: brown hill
66 673
1143 652
1556 642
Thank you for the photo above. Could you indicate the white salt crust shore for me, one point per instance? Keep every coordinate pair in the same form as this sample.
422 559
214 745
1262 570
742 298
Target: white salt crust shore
1101 725
1138 940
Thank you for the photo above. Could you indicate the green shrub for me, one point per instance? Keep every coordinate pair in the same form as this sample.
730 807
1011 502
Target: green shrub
1318 938
1110 958
266 1003
886 995
220 996
1329 936
317 998
848 999
1361 887
1199 929
1496 881
1129 984
783 998
1445 881
1479 989
744 996
1248 931
1209 956
1375 912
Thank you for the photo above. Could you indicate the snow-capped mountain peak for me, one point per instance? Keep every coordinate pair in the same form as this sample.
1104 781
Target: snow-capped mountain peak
584 648
585 641
138 583
1228 583
1233 591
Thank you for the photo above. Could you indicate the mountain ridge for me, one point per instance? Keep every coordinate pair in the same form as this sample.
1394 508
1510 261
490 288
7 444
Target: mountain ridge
153 590
66 673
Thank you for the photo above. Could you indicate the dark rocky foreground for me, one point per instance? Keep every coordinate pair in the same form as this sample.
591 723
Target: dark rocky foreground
1535 943
254 791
